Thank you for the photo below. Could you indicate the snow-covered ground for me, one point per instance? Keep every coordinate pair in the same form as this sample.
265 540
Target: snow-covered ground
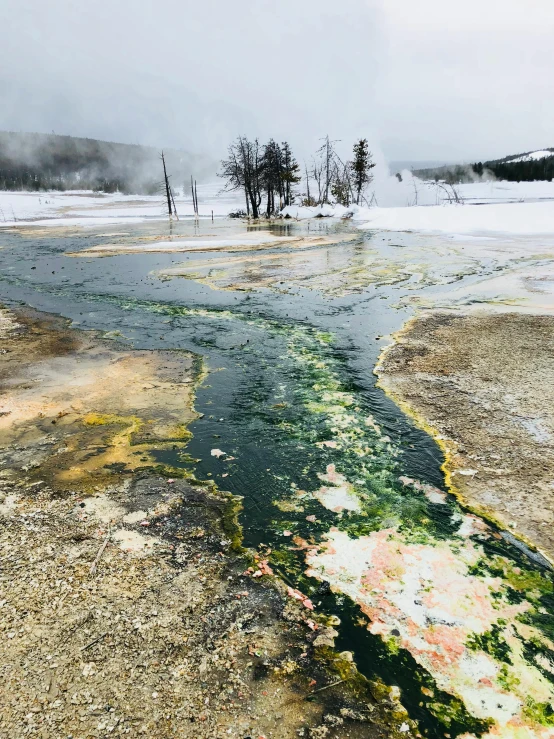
533 156
517 219
504 192
516 208
86 208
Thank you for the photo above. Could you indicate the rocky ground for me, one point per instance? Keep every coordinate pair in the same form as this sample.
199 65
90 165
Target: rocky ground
483 384
127 606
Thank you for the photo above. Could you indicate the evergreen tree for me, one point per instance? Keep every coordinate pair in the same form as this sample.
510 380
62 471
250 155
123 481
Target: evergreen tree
290 173
341 184
272 175
361 168
478 168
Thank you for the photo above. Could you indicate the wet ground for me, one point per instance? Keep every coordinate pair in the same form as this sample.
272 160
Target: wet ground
484 382
330 469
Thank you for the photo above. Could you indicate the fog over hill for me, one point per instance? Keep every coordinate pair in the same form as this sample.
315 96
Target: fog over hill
36 161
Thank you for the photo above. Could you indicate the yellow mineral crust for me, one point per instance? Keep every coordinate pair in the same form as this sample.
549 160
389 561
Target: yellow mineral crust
101 407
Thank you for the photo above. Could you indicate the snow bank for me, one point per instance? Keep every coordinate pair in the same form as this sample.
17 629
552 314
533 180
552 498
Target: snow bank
510 218
303 212
507 218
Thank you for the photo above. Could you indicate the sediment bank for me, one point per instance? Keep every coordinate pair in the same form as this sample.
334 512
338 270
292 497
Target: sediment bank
483 385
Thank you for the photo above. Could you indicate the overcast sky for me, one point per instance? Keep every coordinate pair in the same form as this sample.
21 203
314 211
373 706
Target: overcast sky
422 79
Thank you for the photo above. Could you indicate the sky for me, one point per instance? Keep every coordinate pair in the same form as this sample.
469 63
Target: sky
421 79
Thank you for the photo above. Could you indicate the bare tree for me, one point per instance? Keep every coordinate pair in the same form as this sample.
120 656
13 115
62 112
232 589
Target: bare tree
451 193
232 170
307 183
318 175
243 170
327 156
332 175
252 158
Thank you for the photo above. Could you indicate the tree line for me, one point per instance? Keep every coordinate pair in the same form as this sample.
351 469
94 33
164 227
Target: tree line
35 179
268 175
502 169
522 171
451 174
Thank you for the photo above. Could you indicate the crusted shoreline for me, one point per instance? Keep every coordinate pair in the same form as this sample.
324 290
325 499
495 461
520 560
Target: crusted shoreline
128 606
481 385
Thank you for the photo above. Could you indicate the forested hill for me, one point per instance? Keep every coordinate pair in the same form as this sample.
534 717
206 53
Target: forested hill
35 161
532 165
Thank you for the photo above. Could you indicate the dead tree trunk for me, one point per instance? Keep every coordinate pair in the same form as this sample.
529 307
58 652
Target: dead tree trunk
167 192
173 201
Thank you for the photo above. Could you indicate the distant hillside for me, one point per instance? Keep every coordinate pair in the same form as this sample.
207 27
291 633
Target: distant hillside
35 161
451 173
532 165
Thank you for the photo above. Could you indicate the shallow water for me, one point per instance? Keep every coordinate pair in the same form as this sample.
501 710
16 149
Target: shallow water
291 367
